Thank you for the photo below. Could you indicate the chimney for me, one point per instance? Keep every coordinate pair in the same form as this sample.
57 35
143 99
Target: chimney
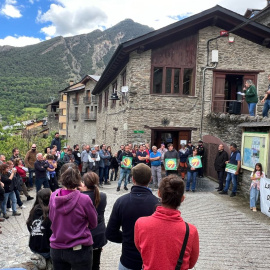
71 82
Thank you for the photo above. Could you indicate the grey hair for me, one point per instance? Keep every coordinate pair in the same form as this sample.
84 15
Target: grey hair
38 154
250 82
154 147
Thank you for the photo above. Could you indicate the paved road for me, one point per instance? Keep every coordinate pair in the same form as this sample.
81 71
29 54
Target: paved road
231 236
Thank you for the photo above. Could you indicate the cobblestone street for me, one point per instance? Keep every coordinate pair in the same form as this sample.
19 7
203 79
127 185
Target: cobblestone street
231 236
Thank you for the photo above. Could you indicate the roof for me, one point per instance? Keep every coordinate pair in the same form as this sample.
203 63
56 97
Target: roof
216 16
82 82
254 13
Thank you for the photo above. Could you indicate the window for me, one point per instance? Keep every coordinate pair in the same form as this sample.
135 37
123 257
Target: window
114 88
106 98
64 97
124 83
167 80
64 112
157 80
99 102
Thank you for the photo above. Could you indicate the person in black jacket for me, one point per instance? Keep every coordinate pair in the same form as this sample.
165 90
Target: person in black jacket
114 167
140 202
41 172
39 226
90 187
220 165
56 141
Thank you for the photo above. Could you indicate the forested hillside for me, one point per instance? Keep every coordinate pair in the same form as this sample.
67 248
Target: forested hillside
30 75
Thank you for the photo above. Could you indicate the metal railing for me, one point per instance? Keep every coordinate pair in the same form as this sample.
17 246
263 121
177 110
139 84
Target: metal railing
223 106
75 101
89 117
74 117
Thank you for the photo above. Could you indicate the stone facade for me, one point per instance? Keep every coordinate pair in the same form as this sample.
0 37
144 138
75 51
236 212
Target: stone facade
53 116
81 114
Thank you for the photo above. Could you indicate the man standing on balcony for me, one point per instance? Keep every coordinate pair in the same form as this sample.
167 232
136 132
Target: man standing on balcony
56 141
266 100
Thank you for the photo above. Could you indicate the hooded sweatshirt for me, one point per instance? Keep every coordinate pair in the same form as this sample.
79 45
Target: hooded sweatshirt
160 249
72 216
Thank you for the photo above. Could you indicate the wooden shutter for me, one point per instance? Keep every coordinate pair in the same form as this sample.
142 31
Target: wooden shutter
218 103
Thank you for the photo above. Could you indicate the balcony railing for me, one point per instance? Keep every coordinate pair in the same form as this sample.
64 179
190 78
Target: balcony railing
74 117
87 100
229 106
75 101
89 117
94 99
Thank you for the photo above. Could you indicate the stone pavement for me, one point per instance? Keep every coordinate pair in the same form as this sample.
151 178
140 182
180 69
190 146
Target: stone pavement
231 236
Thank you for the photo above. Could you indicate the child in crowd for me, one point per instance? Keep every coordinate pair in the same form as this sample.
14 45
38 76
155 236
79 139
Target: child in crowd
256 175
38 224
51 173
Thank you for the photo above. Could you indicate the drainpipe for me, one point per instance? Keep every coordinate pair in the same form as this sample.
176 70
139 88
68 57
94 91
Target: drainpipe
203 85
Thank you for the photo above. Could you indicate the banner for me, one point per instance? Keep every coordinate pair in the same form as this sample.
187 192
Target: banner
231 168
126 162
171 164
265 196
195 162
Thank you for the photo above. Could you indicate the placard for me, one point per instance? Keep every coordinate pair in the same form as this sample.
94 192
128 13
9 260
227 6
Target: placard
170 164
195 162
231 168
126 162
254 150
265 196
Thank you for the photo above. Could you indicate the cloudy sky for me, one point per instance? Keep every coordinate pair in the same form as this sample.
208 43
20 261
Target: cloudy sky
25 22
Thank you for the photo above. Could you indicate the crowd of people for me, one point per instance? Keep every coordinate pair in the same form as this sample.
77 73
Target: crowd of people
71 179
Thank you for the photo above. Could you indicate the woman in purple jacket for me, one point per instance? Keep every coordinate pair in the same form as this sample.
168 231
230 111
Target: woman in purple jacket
73 216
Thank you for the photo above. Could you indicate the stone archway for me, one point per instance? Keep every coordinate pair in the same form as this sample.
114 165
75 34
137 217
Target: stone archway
211 144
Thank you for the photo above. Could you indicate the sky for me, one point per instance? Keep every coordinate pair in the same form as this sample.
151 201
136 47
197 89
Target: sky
26 22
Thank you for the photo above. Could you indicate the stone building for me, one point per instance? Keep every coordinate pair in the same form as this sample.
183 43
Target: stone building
181 78
53 116
81 111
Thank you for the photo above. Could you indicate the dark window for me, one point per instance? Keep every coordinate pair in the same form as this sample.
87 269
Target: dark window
177 81
187 81
157 80
99 102
114 87
106 98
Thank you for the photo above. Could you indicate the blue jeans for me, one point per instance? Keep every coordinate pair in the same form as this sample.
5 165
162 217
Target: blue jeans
254 195
122 267
42 181
266 108
191 175
12 196
30 180
233 177
101 174
251 108
106 173
124 174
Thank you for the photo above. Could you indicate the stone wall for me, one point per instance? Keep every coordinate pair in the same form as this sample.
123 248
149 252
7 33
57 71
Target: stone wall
264 19
81 131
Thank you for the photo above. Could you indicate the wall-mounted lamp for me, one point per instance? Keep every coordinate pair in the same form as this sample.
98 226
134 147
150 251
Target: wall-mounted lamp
231 39
114 95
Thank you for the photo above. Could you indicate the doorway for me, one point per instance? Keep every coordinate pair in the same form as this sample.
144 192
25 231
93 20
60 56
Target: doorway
166 136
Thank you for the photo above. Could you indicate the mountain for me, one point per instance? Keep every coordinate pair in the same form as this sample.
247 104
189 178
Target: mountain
30 75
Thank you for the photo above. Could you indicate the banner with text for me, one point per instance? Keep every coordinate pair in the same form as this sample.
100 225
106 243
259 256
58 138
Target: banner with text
265 196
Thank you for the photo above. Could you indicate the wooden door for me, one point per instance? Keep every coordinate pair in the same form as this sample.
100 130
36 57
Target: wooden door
246 77
218 103
183 135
